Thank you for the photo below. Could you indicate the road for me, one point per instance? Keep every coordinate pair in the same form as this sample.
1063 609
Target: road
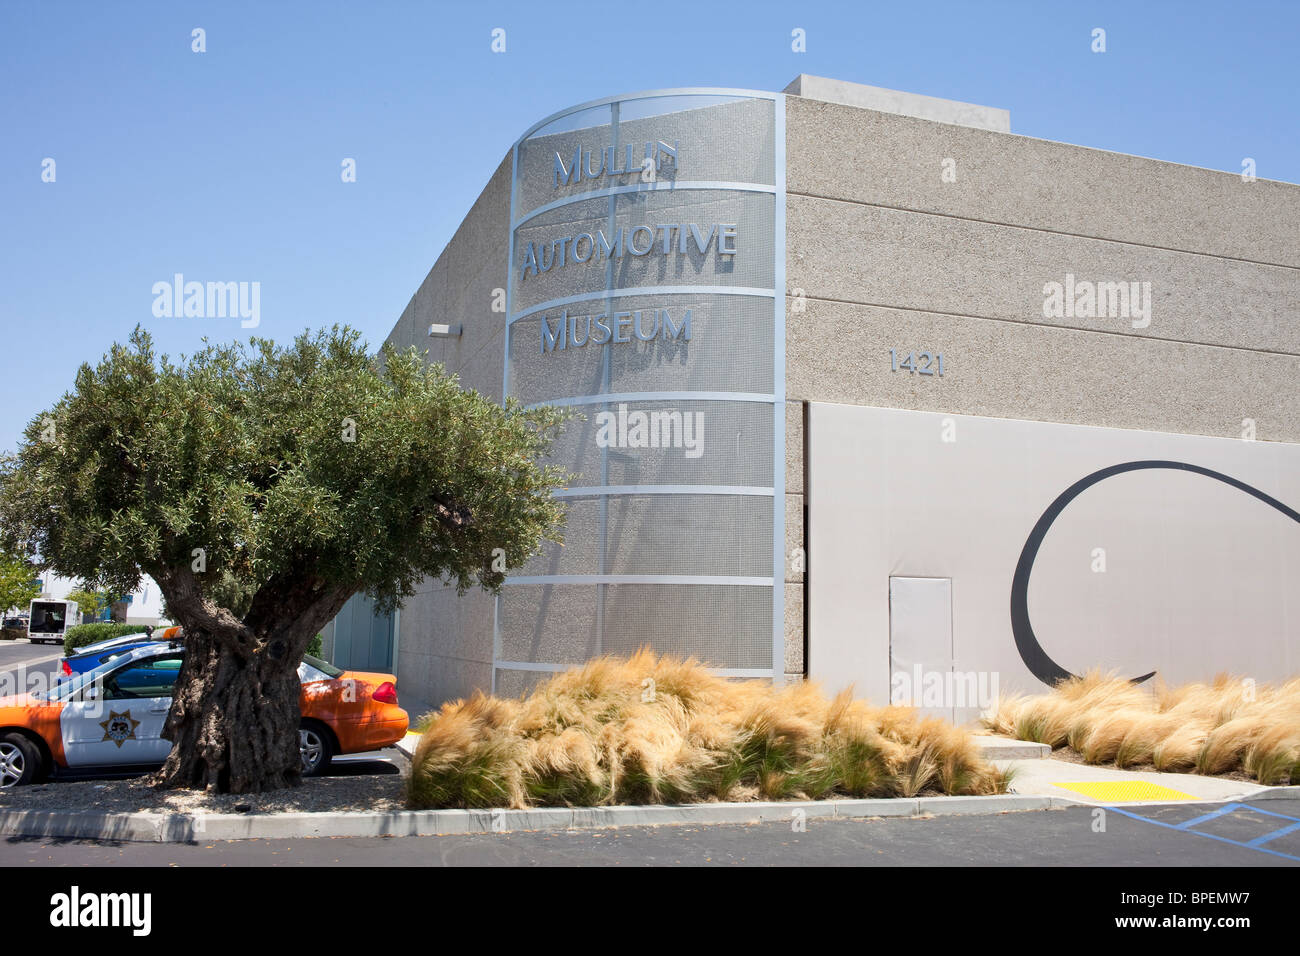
17 653
1067 837
27 667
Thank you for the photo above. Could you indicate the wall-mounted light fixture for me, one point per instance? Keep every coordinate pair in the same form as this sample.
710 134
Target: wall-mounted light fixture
451 331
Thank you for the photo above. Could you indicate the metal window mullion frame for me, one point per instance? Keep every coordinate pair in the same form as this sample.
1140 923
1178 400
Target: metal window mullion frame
777 398
724 580
396 644
593 491
646 290
757 398
736 93
721 185
541 667
778 405
546 668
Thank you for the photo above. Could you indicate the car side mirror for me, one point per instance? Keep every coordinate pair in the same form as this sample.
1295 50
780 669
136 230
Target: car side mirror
91 692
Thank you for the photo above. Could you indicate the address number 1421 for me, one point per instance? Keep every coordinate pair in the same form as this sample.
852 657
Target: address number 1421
925 363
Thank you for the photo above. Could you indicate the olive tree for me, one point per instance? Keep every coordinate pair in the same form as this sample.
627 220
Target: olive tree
261 486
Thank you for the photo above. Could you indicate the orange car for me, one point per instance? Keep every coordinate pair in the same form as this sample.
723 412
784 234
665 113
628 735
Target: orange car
111 717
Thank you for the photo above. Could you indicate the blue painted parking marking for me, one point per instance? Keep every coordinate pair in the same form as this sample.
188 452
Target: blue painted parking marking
1257 844
1206 817
1258 841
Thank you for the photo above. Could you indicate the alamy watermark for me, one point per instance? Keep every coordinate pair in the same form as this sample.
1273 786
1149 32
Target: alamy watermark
133 911
944 689
208 300
668 428
1085 299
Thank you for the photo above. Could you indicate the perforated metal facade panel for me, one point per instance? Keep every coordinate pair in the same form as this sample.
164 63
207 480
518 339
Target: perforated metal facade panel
645 289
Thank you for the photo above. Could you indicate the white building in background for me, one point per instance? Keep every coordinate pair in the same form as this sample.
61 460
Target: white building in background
145 606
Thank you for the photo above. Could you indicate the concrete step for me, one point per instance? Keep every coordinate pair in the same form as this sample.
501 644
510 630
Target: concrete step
1005 748
406 746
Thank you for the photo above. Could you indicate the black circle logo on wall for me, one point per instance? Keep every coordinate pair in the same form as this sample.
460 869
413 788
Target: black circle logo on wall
1031 652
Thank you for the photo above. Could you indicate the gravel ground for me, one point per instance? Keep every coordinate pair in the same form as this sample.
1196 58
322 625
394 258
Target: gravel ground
370 792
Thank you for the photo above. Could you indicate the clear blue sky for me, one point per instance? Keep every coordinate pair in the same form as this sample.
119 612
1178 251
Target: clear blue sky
225 165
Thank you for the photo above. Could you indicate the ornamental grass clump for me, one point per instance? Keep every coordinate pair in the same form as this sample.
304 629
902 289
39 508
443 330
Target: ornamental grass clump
660 729
1228 725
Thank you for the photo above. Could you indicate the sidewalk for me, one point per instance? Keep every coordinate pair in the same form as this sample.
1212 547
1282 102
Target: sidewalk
1037 773
1099 785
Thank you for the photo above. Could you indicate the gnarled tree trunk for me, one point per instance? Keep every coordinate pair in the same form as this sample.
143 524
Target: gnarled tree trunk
234 721
235 714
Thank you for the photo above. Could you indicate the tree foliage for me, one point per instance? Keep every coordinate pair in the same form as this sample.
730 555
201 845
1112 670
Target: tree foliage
246 465
18 585
90 602
260 486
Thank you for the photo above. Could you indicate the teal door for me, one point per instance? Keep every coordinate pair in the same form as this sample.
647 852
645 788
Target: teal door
363 638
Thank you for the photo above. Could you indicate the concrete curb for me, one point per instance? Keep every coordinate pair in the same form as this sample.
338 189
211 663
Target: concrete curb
187 828
406 746
191 828
1272 793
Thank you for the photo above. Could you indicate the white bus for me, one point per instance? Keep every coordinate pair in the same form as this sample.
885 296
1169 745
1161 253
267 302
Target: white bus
50 620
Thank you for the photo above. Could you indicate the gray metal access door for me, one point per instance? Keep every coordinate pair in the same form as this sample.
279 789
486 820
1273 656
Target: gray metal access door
363 639
920 644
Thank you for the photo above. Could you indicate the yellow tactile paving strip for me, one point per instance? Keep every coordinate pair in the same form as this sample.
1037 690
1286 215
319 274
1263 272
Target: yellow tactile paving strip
1119 791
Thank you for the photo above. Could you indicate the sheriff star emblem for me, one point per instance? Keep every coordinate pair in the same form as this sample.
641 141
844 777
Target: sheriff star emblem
119 727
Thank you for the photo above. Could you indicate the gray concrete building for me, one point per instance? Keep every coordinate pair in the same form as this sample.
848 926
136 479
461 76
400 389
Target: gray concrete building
875 392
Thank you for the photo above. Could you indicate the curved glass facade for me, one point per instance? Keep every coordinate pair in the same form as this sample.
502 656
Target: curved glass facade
645 289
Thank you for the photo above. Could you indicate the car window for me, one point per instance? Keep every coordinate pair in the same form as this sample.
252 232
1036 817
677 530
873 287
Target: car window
323 667
153 677
74 688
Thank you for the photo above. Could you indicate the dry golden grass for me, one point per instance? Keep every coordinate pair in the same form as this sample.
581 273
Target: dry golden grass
594 735
1230 724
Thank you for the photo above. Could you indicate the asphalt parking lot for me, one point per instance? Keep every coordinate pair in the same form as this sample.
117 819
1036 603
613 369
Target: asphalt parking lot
1149 836
14 654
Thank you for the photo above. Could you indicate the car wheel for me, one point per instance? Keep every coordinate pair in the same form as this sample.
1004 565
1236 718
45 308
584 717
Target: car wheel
317 749
20 761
